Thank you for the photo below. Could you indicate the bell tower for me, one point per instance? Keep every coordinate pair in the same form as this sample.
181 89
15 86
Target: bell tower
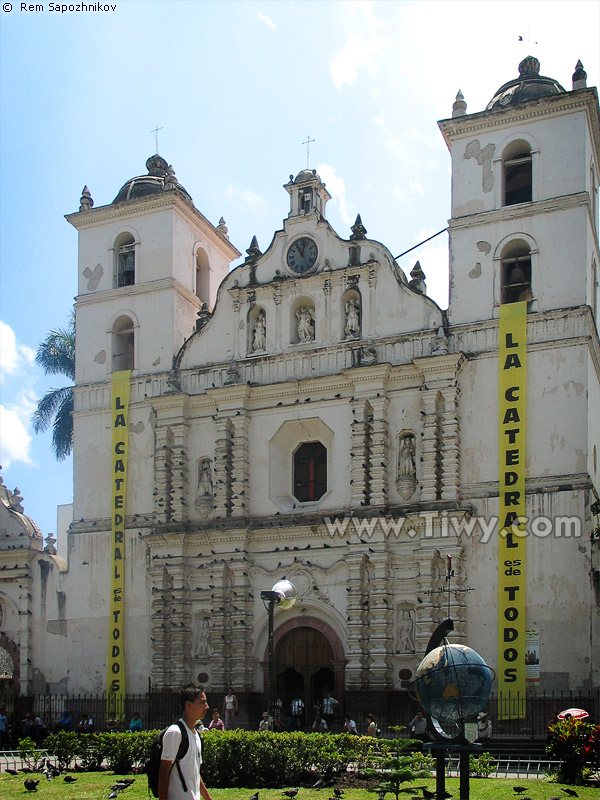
524 222
148 263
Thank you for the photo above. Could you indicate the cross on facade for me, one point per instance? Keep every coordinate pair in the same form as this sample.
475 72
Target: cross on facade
155 132
308 143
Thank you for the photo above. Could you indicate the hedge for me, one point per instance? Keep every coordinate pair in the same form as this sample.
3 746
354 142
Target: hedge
230 758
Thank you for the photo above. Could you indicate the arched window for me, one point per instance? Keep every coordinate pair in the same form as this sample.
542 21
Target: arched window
125 254
310 472
123 344
202 276
516 272
518 174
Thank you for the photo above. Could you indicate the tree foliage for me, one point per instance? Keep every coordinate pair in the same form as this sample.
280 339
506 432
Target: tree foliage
56 356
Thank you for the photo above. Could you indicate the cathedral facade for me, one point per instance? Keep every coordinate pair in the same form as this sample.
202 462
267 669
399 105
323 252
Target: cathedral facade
313 415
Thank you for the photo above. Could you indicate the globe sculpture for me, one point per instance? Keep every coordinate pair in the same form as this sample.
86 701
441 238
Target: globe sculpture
453 684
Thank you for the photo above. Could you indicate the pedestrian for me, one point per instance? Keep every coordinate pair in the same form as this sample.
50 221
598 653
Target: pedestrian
184 782
230 709
350 725
372 729
329 704
136 723
297 711
418 727
216 723
319 724
263 725
64 723
484 727
3 727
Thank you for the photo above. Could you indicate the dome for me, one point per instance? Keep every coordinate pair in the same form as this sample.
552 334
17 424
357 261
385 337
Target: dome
160 178
530 85
306 175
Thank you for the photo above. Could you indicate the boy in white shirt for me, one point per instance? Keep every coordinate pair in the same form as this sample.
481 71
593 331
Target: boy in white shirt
182 780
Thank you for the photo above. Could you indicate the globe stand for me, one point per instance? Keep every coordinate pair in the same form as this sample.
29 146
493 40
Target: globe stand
445 742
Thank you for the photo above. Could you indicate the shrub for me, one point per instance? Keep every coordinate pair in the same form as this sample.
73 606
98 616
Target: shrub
575 743
63 746
481 766
28 750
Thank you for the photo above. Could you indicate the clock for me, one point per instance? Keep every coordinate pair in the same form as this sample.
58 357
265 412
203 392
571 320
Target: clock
302 255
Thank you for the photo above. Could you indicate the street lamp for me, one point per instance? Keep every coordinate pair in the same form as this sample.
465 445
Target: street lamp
284 595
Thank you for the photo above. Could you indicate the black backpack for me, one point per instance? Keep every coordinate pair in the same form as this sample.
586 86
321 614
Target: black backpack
152 765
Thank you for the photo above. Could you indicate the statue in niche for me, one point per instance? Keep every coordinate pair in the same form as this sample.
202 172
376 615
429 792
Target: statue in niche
406 457
205 482
406 631
406 479
202 648
352 328
306 329
259 338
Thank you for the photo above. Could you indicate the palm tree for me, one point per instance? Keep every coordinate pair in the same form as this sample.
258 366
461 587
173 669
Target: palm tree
56 356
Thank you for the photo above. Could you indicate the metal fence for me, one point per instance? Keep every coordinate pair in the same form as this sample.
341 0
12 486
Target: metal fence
159 708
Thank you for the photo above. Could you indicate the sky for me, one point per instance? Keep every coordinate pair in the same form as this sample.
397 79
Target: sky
236 88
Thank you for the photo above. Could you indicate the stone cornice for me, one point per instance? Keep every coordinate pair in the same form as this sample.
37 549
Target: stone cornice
171 199
584 99
145 288
519 211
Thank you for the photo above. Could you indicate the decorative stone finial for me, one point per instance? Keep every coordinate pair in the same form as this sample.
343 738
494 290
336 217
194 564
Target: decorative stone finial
459 108
417 284
86 203
16 500
254 252
222 229
579 77
529 67
50 545
170 179
156 165
358 230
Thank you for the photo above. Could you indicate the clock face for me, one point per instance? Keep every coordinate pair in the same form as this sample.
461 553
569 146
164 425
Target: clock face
302 255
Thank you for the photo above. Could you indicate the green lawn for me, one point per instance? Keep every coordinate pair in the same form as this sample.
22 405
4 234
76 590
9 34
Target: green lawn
96 786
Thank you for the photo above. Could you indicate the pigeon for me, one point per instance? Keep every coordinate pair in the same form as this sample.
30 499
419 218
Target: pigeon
316 785
30 785
69 779
290 793
570 792
519 789
427 794
12 771
112 796
338 792
254 796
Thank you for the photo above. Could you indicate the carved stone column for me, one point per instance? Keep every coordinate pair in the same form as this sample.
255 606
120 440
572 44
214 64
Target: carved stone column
360 453
180 622
429 445
381 621
355 673
160 631
450 435
240 466
223 467
242 672
380 452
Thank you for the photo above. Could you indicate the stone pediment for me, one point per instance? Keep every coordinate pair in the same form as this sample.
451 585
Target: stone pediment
310 289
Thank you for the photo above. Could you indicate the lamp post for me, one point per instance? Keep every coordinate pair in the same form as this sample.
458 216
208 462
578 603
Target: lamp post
284 595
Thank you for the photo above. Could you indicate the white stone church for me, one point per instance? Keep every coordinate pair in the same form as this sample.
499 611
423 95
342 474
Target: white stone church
314 415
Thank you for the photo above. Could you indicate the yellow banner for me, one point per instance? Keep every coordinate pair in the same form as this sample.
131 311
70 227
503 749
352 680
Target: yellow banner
511 548
115 681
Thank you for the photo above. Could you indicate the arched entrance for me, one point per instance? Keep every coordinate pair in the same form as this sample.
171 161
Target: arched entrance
8 673
309 660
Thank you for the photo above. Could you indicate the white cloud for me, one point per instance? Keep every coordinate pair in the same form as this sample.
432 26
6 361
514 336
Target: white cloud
267 20
15 439
13 356
246 198
364 48
337 190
